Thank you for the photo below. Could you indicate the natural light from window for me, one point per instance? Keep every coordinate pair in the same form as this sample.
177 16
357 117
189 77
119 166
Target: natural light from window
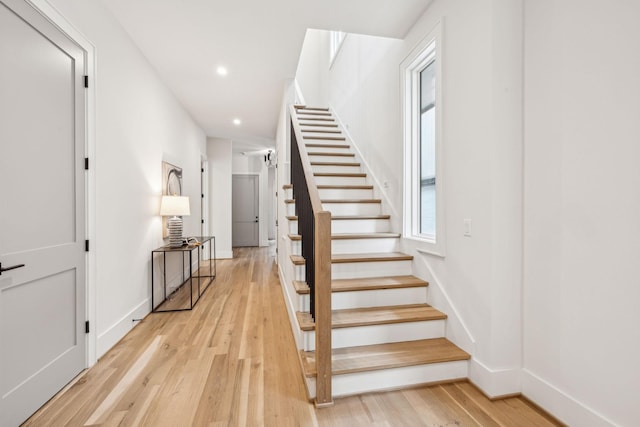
422 112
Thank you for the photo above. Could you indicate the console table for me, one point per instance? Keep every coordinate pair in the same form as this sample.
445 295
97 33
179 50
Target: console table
183 290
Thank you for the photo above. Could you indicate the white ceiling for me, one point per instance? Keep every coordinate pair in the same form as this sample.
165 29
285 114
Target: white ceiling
259 41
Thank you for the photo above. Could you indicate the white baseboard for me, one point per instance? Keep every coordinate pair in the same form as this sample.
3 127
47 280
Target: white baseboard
495 382
113 334
558 403
224 254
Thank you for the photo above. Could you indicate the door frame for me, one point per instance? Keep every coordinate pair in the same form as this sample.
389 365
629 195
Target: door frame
59 21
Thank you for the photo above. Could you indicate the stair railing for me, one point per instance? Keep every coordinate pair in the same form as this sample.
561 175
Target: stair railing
314 225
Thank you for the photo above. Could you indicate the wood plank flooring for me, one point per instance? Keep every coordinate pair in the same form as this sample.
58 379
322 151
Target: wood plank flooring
232 361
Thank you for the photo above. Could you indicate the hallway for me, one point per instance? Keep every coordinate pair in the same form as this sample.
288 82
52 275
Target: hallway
232 361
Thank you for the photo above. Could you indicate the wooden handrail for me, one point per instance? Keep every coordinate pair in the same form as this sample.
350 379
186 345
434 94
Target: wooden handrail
314 195
319 233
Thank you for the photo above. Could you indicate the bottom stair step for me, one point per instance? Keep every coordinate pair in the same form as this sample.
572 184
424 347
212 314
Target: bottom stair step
385 356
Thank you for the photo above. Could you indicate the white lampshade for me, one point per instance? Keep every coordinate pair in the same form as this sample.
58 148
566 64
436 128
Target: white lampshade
174 206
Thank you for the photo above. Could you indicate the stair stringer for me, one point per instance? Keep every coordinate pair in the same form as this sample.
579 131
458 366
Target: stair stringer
292 300
456 329
495 383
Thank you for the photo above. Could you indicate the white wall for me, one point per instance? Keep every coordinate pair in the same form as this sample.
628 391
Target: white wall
313 66
219 156
582 205
479 281
138 123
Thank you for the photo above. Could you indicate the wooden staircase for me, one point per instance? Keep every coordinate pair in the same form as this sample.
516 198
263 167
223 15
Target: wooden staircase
384 334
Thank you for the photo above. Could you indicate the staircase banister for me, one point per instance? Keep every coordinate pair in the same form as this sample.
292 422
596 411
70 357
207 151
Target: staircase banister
319 269
314 195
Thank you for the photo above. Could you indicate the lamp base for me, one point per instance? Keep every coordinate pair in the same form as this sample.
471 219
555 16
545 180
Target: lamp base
174 224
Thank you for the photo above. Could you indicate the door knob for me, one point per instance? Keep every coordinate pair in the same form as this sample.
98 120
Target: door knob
13 267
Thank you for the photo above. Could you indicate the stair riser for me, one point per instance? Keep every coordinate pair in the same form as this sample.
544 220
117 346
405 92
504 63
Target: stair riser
351 226
335 169
363 269
337 193
371 298
351 193
360 226
295 247
340 180
378 298
362 382
370 269
352 208
350 246
335 159
379 334
327 149
343 208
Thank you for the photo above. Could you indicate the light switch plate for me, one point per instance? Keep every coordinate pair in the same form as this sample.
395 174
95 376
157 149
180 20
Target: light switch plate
467 228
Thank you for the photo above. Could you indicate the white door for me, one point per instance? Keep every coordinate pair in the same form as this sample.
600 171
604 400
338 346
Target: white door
245 210
42 213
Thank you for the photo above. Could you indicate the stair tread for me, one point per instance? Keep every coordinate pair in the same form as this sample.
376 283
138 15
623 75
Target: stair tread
346 217
354 317
312 145
370 257
299 107
329 154
363 257
324 137
351 201
384 356
346 236
328 125
353 174
357 217
341 201
366 284
373 283
379 235
352 164
345 187
313 112
320 119
297 259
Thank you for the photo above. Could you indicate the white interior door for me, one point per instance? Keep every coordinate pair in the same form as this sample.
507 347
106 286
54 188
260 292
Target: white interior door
42 211
245 210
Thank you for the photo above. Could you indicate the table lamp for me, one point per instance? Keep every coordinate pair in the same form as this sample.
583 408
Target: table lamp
175 207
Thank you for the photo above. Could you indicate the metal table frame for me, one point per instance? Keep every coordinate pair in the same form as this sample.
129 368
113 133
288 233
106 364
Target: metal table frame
184 250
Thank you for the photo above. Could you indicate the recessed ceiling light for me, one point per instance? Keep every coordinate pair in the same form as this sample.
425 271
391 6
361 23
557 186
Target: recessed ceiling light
222 71
237 122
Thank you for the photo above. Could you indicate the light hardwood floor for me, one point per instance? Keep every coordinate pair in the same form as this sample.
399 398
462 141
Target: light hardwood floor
232 362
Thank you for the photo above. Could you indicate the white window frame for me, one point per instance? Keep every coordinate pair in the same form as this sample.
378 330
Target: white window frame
336 38
427 50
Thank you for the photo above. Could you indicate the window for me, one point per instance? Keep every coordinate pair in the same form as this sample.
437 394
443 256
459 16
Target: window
335 42
424 208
